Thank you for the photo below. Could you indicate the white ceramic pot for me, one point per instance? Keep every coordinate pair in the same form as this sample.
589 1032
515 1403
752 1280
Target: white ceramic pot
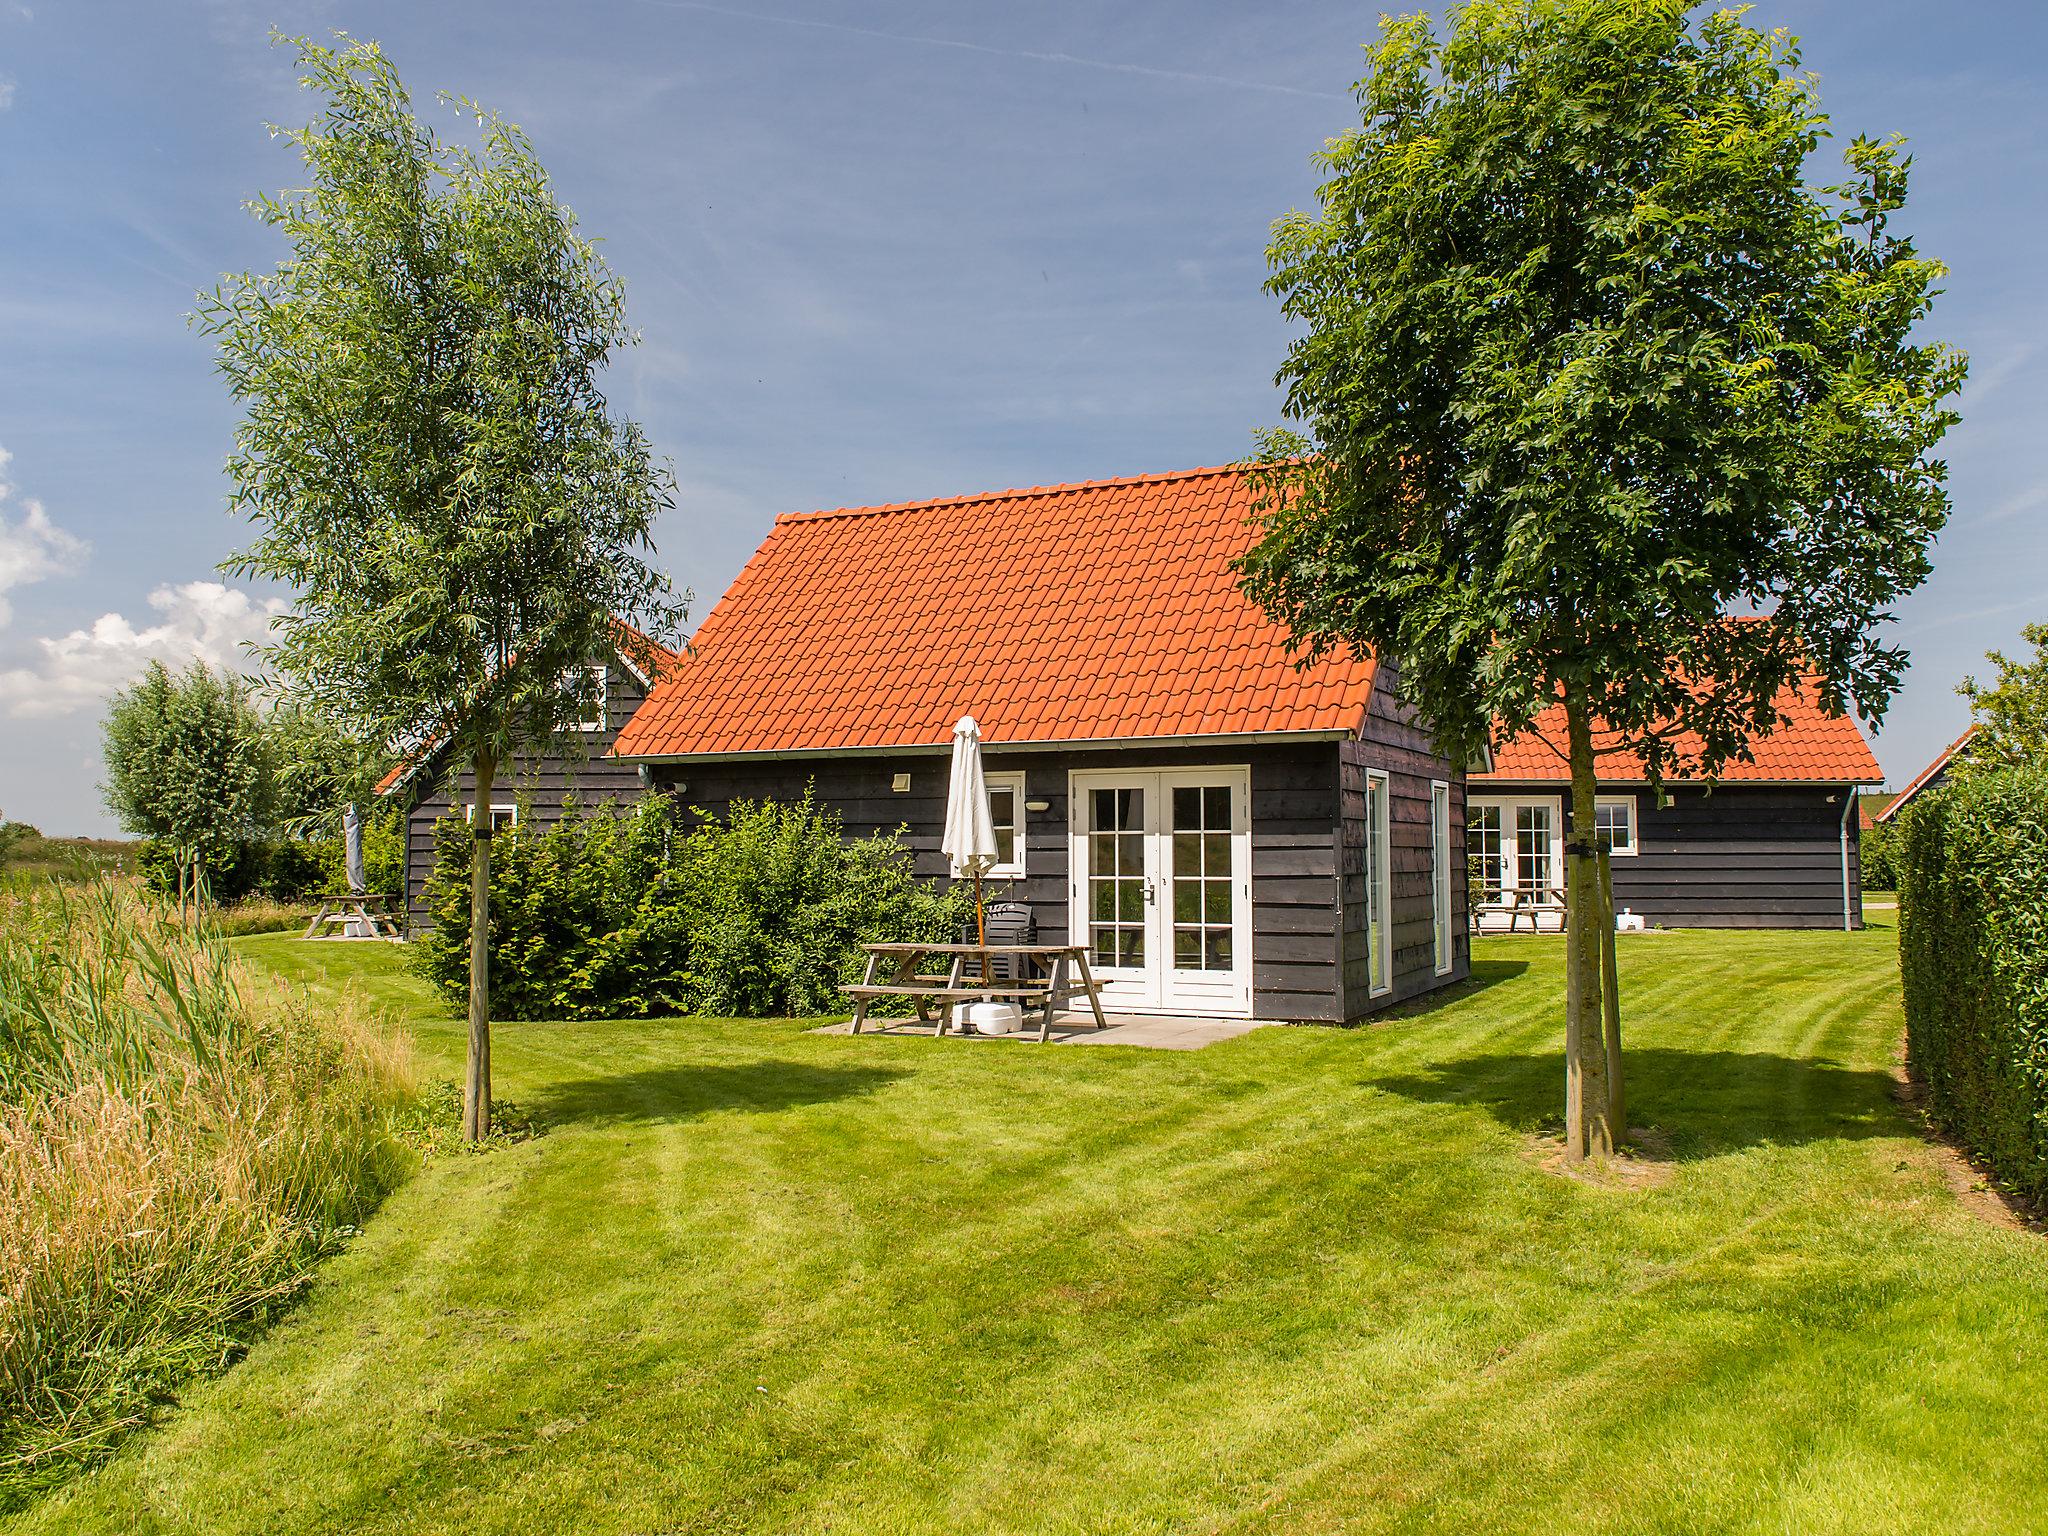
995 1018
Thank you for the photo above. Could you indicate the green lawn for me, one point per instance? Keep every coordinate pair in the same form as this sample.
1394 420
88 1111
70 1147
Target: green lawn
1309 1280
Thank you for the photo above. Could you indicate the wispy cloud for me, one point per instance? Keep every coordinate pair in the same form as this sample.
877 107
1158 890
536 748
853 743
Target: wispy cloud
2030 499
197 621
1982 386
6 92
1965 616
1111 66
33 548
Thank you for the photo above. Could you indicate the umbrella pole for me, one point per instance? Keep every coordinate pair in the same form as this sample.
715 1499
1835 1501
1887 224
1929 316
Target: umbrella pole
980 924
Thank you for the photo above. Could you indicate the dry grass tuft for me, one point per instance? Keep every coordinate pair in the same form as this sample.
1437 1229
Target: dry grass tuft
180 1142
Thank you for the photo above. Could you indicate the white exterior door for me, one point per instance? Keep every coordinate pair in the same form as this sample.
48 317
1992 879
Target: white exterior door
1517 844
1161 887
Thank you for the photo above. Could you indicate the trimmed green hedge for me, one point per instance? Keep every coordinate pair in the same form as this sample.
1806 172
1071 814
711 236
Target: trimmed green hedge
1973 951
623 913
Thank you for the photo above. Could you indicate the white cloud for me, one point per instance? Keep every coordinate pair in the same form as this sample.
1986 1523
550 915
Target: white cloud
6 92
198 620
33 548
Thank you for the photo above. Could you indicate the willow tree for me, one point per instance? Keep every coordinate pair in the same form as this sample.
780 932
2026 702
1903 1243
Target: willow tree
427 452
1587 368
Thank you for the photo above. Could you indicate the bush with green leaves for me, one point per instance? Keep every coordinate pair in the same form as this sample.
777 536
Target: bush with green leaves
1880 857
1973 952
626 913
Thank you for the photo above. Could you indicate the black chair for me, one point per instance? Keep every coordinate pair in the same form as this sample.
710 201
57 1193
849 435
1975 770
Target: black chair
1007 922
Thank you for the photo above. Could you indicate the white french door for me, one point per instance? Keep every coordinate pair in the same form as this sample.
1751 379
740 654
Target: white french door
1161 887
1517 844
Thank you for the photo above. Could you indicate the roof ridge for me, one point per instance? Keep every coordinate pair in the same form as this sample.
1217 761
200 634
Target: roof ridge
1014 493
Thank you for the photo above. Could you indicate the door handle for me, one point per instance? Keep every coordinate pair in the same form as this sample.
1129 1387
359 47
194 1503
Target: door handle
1151 893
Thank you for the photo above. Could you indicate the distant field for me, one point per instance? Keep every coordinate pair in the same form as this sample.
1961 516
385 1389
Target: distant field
25 854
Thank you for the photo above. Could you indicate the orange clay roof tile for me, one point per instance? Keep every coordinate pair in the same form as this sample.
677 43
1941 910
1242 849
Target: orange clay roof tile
1810 747
1093 612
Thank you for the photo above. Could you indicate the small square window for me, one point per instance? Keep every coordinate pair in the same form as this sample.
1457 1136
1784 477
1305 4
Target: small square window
1614 819
502 816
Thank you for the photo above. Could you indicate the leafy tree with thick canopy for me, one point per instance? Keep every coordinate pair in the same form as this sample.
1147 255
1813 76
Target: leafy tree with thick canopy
317 767
2011 714
187 764
427 451
1586 369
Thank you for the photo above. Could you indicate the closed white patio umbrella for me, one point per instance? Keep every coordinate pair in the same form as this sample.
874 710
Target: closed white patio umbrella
969 840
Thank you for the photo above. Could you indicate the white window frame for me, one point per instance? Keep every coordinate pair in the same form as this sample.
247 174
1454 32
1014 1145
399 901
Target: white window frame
603 721
1440 875
508 812
1013 782
1628 804
1379 879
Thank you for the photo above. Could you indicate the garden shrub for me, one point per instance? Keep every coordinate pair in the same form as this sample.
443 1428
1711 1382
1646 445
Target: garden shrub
1973 952
1880 857
622 913
284 869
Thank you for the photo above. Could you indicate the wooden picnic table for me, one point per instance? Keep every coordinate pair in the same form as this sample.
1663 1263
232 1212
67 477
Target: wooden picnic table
1063 971
341 908
1515 901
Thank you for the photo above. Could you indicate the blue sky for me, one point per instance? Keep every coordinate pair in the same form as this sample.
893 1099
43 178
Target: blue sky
877 251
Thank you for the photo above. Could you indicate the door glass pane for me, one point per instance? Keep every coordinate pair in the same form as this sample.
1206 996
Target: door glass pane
1116 878
1203 872
1482 847
1532 850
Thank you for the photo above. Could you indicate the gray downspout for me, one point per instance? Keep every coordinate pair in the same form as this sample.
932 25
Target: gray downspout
1848 810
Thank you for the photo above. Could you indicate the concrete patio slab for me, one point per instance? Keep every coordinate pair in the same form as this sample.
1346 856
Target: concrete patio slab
1155 1031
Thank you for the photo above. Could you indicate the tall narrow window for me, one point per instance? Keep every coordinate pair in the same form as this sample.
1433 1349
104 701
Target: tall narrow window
1440 871
1379 886
1006 810
594 717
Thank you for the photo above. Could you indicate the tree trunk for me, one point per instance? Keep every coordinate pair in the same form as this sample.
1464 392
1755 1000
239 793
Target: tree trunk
1610 1003
476 1096
1588 1130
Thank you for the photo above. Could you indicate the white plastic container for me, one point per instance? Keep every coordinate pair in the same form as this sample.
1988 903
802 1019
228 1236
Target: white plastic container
1626 921
994 1018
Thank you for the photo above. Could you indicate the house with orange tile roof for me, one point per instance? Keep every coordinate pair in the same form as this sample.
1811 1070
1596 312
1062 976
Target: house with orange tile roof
1933 776
1774 842
534 784
1229 833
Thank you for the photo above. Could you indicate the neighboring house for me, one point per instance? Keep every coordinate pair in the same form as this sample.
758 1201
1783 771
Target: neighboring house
1933 776
1774 843
1229 834
532 783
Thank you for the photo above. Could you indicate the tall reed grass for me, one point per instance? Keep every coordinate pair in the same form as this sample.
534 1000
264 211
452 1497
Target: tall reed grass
180 1143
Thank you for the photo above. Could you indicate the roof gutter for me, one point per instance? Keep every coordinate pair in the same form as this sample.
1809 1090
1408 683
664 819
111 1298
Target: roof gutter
939 749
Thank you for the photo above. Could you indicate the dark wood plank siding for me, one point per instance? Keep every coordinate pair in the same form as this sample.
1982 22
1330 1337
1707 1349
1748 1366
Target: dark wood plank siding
1744 856
541 783
1293 834
1394 744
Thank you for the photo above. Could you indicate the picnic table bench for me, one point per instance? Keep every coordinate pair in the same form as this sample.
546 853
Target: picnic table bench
1515 901
345 908
1062 971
